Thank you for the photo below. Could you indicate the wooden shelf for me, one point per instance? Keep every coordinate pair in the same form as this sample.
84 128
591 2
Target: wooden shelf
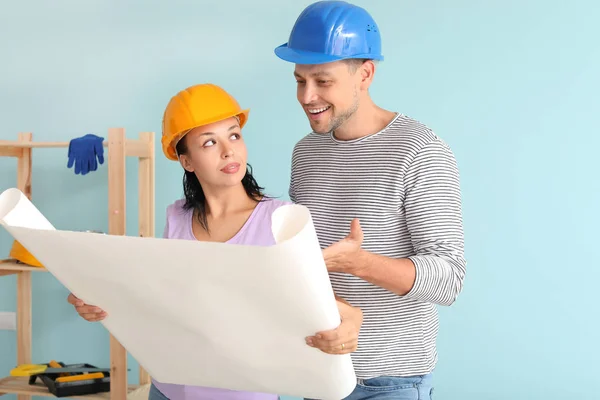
119 148
13 266
20 385
32 145
133 147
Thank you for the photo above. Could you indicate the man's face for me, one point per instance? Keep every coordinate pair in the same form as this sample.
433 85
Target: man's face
329 94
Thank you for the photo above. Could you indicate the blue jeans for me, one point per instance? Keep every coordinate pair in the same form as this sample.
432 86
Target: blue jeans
387 388
390 388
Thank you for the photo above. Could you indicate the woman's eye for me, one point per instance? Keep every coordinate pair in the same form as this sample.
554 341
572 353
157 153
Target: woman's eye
209 143
236 136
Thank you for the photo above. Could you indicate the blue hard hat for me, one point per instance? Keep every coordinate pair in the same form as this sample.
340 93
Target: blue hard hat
329 31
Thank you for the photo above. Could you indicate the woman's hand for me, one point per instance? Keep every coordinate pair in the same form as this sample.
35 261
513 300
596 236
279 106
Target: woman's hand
343 339
88 312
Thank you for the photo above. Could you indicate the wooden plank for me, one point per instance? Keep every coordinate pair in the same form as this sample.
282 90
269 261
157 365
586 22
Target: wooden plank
24 336
116 226
7 144
146 204
23 322
10 151
136 148
146 191
12 265
116 181
118 370
24 318
24 166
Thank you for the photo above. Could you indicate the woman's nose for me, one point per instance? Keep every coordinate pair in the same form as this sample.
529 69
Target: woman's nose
227 151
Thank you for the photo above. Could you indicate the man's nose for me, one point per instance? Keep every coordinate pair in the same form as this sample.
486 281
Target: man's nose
308 95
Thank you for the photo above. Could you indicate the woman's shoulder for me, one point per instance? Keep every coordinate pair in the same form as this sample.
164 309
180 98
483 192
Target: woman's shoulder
258 229
178 221
177 205
177 209
272 203
266 207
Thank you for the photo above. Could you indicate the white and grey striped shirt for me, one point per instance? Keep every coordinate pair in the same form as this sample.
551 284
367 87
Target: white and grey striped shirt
403 185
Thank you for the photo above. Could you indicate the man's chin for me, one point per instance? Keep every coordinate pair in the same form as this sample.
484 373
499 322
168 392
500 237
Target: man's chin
319 128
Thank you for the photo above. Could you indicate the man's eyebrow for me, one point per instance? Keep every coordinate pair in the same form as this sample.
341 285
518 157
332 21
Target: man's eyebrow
314 74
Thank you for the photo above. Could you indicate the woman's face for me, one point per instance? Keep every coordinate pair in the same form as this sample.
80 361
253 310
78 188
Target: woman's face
216 153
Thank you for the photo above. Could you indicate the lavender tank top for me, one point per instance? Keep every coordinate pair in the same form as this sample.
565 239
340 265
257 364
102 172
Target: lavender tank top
256 231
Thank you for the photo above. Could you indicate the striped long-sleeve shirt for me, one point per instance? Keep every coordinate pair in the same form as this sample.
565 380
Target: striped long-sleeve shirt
403 185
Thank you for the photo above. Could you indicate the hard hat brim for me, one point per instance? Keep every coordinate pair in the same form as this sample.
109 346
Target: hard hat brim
309 57
303 57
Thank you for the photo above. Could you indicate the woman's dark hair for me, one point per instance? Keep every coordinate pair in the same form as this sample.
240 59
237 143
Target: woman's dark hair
194 195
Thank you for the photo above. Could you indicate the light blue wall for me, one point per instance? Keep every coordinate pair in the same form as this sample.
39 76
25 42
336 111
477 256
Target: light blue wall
512 86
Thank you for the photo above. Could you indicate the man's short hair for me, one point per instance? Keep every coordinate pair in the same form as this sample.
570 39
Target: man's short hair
355 63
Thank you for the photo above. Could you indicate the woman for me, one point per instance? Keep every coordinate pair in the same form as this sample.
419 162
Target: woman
223 203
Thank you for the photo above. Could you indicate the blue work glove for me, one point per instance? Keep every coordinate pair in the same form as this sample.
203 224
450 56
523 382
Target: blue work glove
85 153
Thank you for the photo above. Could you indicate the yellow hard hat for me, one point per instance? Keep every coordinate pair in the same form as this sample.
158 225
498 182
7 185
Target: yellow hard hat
20 253
196 106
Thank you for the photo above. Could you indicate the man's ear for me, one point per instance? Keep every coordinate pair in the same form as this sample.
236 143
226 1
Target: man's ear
367 72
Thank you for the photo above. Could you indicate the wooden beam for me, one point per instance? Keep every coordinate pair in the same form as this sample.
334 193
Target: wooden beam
7 144
146 203
10 151
24 277
117 226
24 166
116 181
23 322
146 188
10 264
137 148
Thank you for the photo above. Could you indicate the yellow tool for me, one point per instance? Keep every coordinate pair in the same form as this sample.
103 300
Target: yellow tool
82 377
36 369
55 364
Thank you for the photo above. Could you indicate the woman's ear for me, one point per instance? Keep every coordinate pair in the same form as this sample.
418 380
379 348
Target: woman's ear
186 163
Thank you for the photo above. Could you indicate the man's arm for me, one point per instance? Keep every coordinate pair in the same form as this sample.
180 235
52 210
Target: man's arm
432 206
396 275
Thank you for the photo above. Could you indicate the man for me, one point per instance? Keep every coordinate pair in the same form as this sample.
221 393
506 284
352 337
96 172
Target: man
384 194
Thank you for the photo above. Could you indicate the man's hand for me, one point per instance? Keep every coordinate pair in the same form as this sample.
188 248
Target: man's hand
88 312
343 339
344 256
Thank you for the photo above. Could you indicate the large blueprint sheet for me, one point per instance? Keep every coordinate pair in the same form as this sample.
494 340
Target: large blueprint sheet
199 313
